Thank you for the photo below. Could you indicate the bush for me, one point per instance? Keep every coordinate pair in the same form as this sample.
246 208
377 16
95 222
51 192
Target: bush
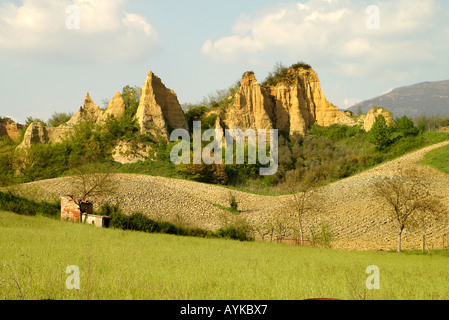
23 206
322 237
233 202
44 161
140 222
301 64
280 74
231 232
336 132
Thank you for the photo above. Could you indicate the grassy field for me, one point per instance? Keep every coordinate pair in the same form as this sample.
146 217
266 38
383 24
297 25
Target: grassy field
116 264
438 159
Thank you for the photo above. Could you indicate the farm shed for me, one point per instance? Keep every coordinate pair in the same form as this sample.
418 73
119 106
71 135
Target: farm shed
98 221
78 210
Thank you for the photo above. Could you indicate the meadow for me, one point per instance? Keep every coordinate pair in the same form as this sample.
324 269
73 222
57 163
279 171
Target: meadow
438 159
35 252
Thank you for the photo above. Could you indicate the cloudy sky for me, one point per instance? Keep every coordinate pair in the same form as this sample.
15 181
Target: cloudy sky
52 52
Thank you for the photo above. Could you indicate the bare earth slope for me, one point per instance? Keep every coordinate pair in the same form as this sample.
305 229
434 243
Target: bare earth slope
349 207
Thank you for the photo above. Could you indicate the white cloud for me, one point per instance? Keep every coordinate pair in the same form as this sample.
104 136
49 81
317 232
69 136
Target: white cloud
355 47
107 33
349 102
335 33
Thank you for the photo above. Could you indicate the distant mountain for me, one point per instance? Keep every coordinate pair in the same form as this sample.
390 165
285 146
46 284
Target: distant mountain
427 98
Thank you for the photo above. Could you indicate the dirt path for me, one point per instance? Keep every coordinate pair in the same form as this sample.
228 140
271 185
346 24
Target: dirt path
348 205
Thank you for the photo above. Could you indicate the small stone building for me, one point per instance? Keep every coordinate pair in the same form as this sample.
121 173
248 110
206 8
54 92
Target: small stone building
98 221
78 210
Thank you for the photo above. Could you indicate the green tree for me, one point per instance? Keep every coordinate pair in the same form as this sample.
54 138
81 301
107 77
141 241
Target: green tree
7 166
380 134
30 120
131 96
405 126
59 118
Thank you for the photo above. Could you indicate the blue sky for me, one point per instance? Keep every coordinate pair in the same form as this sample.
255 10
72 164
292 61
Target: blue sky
198 47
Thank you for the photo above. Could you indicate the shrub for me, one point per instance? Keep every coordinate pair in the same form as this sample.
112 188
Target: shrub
23 206
233 202
301 64
231 232
280 73
140 222
322 237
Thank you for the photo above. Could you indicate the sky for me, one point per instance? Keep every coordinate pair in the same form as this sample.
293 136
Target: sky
53 52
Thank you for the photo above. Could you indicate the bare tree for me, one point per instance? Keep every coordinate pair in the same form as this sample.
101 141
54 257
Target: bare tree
302 203
92 180
261 230
409 201
281 225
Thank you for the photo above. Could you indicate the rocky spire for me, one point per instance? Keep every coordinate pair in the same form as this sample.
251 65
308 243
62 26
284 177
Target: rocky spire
88 112
115 108
159 110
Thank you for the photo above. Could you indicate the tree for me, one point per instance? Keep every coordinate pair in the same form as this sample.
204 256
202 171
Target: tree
7 168
301 201
408 201
91 179
422 126
59 118
322 236
233 202
380 133
131 96
302 205
29 120
405 126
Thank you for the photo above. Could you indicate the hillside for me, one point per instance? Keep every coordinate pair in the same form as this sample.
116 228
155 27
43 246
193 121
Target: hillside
427 98
349 207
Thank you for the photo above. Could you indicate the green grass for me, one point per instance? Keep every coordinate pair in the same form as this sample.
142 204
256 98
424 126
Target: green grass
230 209
438 159
116 264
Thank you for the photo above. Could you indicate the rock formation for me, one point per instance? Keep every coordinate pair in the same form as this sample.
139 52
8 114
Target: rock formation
115 108
88 112
292 105
128 152
367 120
252 109
37 132
92 112
159 110
11 129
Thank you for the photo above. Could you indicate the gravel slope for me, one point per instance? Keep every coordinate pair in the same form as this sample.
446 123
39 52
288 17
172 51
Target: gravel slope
348 206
